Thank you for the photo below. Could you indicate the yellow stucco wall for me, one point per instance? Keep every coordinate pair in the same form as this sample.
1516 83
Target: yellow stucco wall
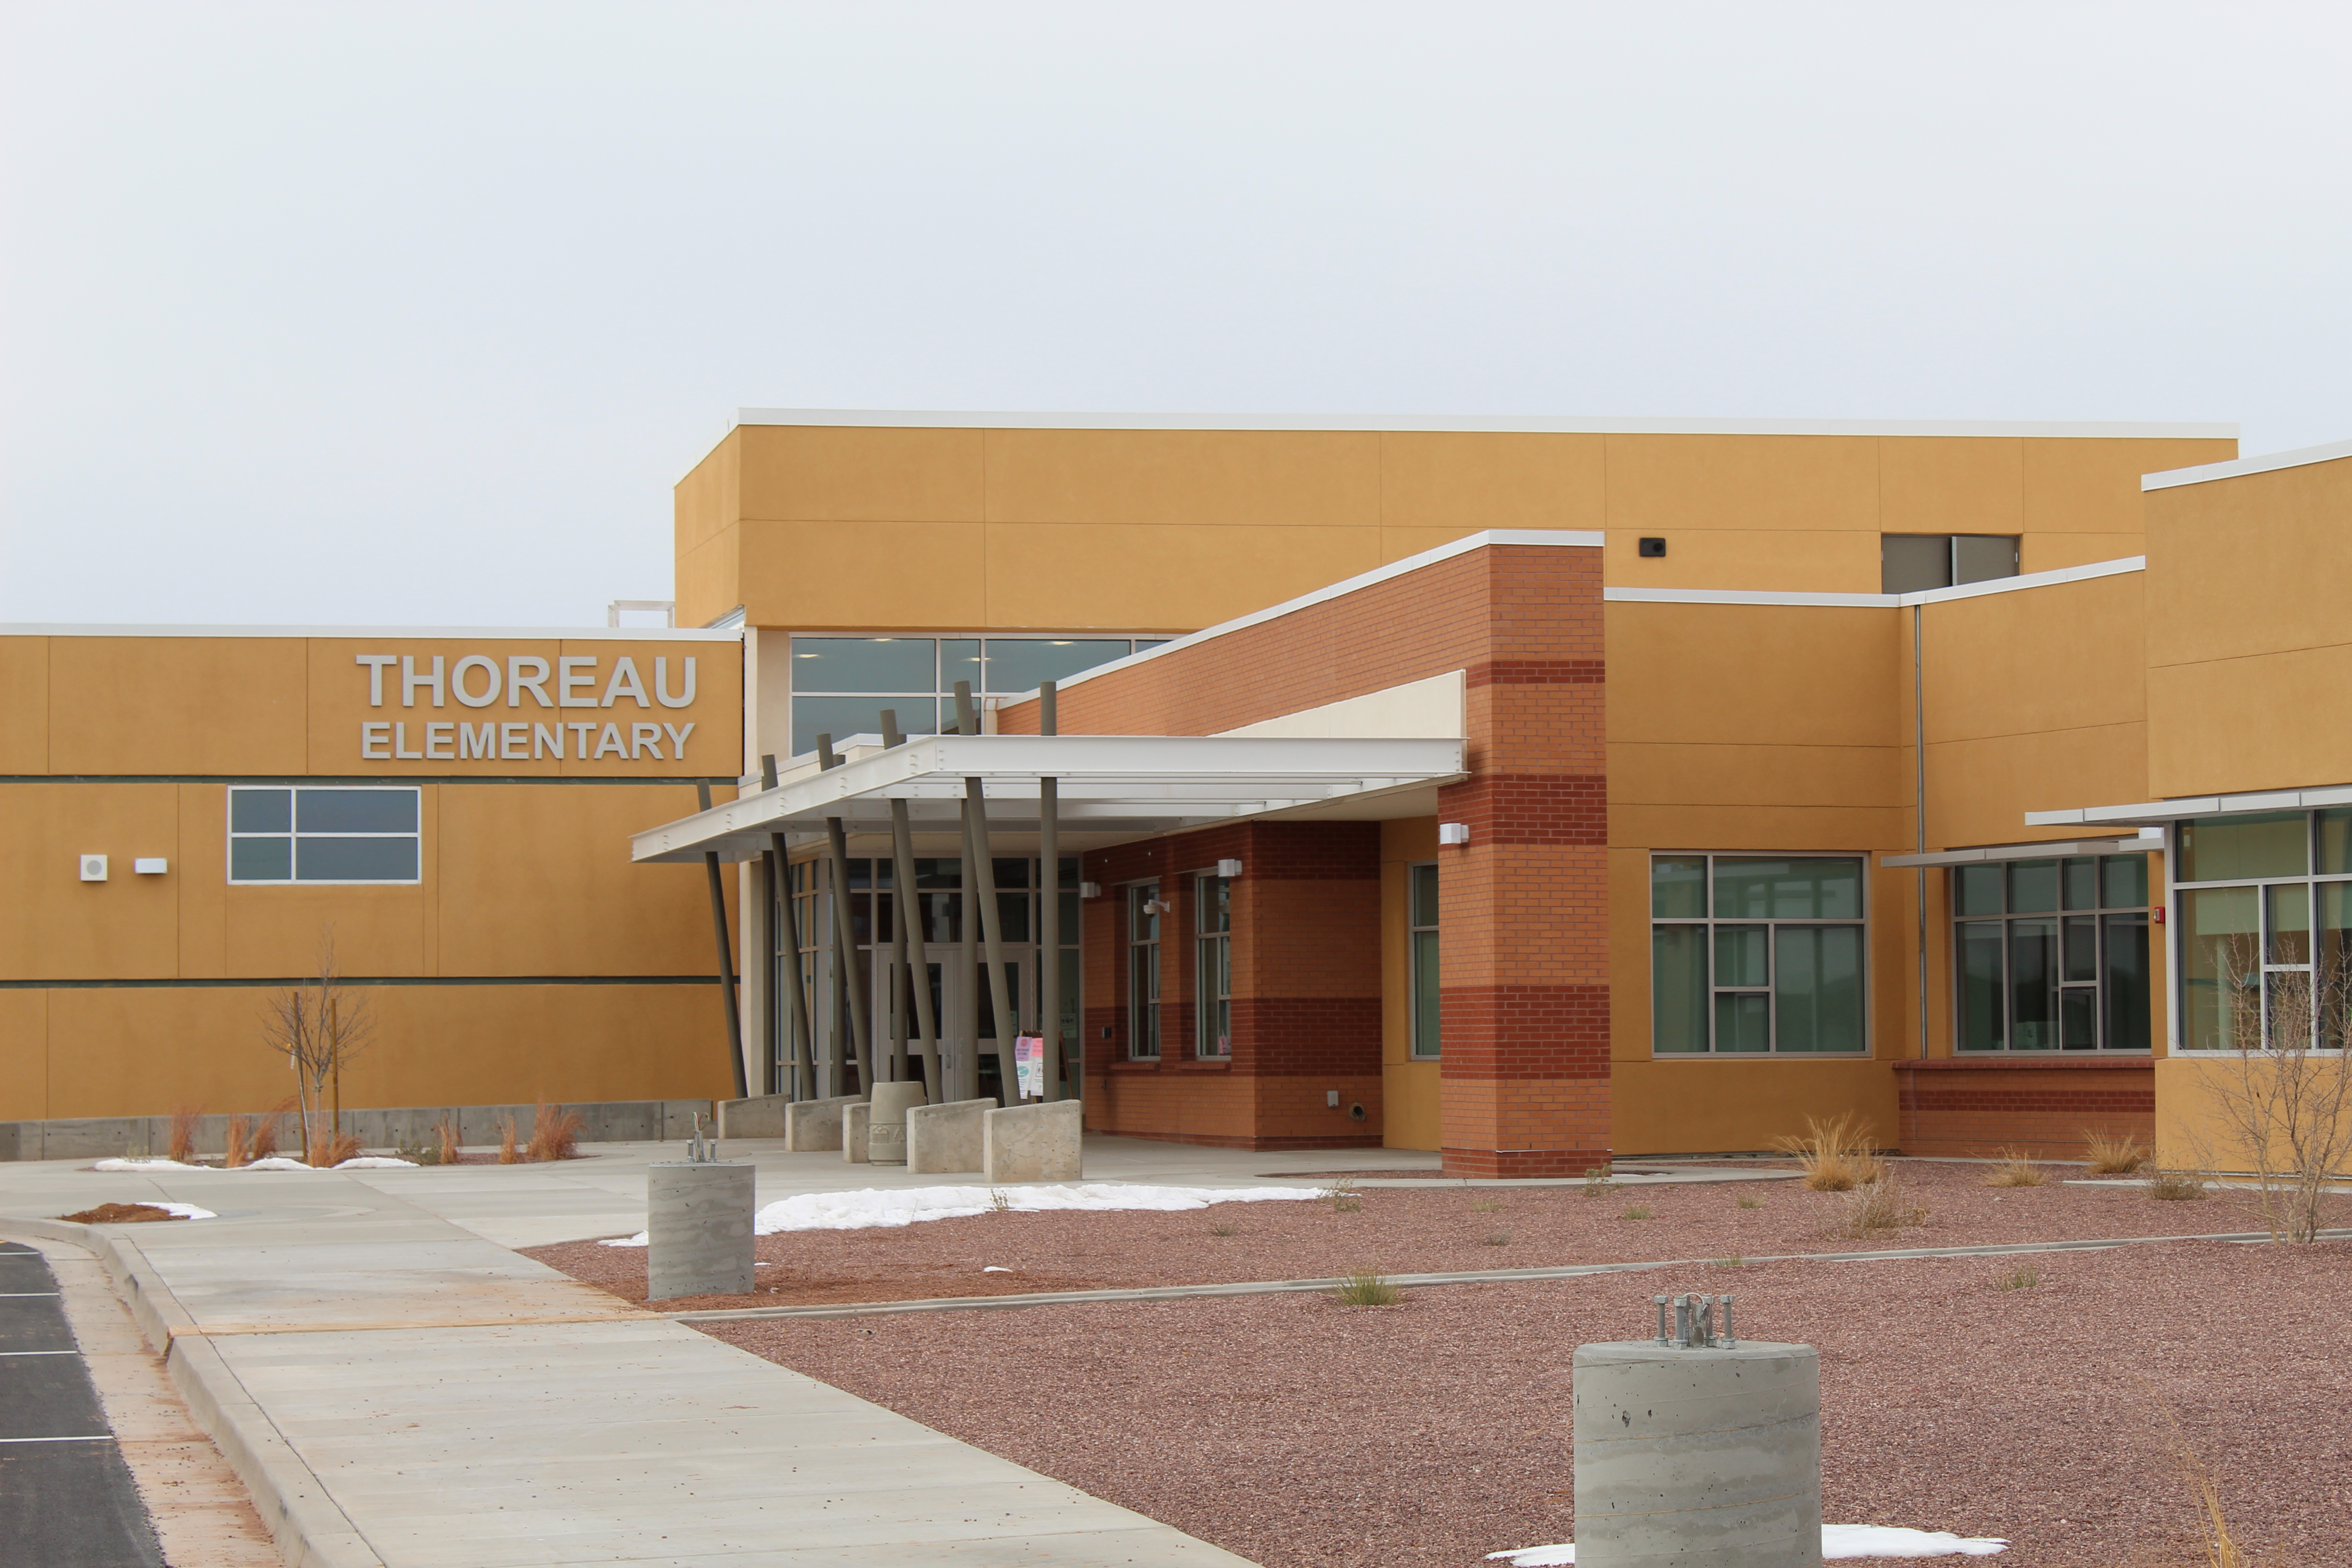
1410 1094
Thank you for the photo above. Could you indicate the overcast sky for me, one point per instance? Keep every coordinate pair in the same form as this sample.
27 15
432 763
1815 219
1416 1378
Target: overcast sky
408 313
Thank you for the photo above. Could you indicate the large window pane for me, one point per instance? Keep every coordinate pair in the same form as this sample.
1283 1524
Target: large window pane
1742 955
2335 963
1984 1012
2290 924
842 716
1912 562
2080 877
959 660
1976 890
2335 841
355 860
1425 994
1019 664
2125 881
2125 984
2078 1023
260 860
1817 992
2288 1025
863 664
2032 985
1678 887
2082 954
2033 887
1981 557
2220 946
355 810
260 810
1759 888
1424 896
1679 989
2241 848
1743 1022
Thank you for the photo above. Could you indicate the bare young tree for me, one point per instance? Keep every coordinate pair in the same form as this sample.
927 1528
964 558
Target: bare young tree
2282 1092
319 1026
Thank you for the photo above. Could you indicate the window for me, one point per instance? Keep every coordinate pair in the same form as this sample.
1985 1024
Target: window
1213 969
326 834
1421 918
1753 955
2265 902
2051 955
1143 911
1913 562
840 685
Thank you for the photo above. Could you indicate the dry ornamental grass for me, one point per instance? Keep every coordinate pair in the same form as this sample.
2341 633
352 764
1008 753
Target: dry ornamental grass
2119 1155
508 1153
2177 1186
183 1144
554 1133
122 1213
240 1149
1836 1156
2014 1170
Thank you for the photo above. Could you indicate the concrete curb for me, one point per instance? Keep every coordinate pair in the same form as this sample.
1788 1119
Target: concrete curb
308 1527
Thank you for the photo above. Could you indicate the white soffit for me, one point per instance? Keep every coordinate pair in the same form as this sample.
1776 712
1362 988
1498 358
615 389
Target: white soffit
1129 786
1878 601
950 420
2146 838
2265 463
2195 805
1436 708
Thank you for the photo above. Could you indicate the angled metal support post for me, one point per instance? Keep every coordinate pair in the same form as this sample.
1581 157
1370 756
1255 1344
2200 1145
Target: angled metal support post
726 955
992 919
1049 914
908 932
844 942
802 1085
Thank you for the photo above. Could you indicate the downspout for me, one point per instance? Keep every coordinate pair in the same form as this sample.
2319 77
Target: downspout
1919 809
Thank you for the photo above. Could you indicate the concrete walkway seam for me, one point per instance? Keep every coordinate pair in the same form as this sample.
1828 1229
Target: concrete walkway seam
308 1527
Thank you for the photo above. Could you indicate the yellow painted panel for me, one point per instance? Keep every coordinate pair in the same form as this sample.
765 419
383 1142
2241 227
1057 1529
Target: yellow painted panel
863 575
23 705
2266 722
537 880
1478 479
1827 829
24 1056
1068 575
54 925
1758 674
2091 486
175 705
199 877
844 473
274 932
1660 484
710 578
1714 1106
1628 954
1411 1095
710 499
1396 544
2056 551
1412 1100
2248 566
1273 478
1979 791
1775 561
1662 775
2056 658
1945 484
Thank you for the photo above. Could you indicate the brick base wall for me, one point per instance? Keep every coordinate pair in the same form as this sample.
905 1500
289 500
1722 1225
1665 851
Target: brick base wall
1972 1108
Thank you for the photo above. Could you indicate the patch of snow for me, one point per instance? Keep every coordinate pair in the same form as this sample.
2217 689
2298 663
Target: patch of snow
1839 1543
154 1164
992 1268
185 1210
869 1207
275 1162
377 1162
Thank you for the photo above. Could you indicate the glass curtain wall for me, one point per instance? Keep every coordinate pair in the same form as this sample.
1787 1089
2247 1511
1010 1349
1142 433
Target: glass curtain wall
1755 955
2051 955
2265 909
840 685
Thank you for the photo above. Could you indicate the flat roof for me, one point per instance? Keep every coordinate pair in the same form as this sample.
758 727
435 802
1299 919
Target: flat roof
2204 473
937 419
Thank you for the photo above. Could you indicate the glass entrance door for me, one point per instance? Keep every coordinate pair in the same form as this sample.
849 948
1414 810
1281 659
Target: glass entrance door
962 1003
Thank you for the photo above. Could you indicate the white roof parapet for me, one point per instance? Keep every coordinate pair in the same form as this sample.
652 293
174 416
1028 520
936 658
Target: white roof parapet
1569 424
2265 463
1127 786
2159 811
2146 838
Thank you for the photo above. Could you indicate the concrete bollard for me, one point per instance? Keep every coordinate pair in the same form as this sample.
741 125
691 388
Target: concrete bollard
856 1119
1033 1142
698 1228
886 1134
946 1137
1698 1451
816 1123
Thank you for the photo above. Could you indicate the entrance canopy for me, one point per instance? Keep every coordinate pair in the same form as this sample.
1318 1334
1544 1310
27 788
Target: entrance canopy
1112 788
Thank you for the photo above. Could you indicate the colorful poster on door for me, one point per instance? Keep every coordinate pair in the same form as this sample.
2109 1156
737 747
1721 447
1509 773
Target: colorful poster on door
1029 1065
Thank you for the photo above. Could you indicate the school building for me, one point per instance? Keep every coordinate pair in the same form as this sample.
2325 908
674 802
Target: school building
1535 792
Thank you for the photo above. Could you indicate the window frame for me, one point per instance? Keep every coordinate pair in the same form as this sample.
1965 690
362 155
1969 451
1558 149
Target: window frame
1213 968
1143 1012
1707 924
2176 949
2101 915
940 711
1416 1048
294 835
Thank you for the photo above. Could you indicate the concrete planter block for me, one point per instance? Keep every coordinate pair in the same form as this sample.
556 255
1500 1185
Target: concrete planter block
816 1123
761 1116
855 1120
698 1228
886 1137
1033 1142
1705 1457
947 1137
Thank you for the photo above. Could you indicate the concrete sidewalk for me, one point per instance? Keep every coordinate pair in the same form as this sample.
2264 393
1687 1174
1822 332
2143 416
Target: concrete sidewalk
399 1390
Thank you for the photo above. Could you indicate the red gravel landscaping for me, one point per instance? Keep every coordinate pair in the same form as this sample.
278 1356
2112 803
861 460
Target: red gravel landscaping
1303 1434
1408 1231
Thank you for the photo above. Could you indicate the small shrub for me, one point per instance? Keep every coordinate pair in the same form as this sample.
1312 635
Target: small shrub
2116 1156
1836 1156
183 1144
1344 1197
1877 1207
1731 1263
1224 1227
1486 1206
1498 1238
239 1150
1638 1211
1366 1289
508 1153
2017 1279
270 1128
1749 1202
336 1148
1597 1181
2177 1186
446 1131
554 1133
1000 1200
2014 1170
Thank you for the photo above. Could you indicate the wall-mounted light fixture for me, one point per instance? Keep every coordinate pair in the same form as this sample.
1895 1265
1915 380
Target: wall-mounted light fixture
93 868
1655 549
1090 890
1229 868
150 866
1454 832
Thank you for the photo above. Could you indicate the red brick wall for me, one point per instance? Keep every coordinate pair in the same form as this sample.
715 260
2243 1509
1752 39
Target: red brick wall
1976 1108
1523 906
